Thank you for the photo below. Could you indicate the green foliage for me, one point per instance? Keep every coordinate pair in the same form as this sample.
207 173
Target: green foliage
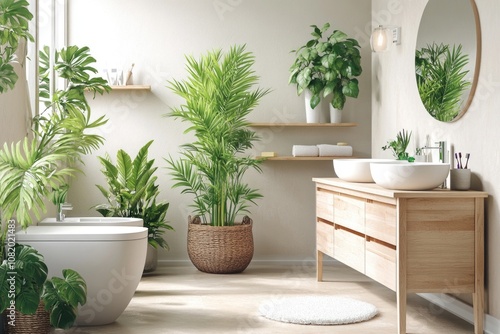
327 66
399 146
61 296
14 21
132 192
32 167
441 79
218 96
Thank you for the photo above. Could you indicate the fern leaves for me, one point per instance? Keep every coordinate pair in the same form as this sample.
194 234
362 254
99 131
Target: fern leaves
441 79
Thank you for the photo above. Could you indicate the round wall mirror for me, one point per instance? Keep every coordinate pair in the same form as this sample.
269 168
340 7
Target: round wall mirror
447 57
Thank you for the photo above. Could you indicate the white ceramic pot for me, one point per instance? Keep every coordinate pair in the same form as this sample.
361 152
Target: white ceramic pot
317 115
335 115
151 259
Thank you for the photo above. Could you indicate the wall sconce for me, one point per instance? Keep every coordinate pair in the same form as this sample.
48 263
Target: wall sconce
383 37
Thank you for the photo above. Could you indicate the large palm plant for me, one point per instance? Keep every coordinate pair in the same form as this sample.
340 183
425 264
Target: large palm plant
218 96
441 79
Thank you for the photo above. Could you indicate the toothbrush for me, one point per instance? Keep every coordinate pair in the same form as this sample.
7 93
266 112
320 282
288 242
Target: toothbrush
467 156
456 158
460 159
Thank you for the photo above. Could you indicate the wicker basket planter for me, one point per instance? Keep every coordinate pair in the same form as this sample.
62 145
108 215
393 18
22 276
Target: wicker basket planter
38 323
220 249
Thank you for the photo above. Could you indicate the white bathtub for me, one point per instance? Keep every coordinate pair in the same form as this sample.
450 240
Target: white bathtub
98 221
109 258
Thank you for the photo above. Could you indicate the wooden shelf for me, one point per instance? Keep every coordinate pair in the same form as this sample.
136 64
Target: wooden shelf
131 87
291 158
306 125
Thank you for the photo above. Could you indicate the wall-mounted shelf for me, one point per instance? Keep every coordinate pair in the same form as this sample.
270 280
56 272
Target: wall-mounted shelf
291 158
131 87
307 125
302 125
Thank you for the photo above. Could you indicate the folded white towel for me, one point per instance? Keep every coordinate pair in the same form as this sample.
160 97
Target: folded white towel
305 150
326 150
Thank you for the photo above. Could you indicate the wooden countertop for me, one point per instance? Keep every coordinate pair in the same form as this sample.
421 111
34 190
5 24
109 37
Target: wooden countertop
372 188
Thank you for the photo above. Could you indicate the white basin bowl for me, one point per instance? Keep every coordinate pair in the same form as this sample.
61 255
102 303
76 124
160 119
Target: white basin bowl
410 176
357 170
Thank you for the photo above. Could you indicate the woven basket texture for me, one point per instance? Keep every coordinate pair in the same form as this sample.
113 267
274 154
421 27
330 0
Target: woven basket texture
220 249
38 323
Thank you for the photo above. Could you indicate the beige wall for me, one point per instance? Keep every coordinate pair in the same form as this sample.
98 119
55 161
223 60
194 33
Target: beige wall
396 105
155 35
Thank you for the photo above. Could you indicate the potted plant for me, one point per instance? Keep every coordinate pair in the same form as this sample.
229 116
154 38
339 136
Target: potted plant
218 96
25 291
441 79
131 192
326 65
399 146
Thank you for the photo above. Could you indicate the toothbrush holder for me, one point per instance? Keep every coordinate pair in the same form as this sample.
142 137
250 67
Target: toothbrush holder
460 179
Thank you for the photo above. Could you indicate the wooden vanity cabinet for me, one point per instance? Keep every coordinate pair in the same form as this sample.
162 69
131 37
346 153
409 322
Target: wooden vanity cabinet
409 241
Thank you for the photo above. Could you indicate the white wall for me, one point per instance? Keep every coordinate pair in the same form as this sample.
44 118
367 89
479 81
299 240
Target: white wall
155 35
396 105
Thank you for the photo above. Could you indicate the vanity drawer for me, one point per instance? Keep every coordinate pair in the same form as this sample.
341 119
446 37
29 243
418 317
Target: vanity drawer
349 212
324 204
381 221
324 238
381 263
349 248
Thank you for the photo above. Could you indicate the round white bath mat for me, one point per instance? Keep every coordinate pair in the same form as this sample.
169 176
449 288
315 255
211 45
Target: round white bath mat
317 310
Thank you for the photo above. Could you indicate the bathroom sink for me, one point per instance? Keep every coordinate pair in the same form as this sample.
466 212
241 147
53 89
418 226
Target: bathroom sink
410 176
357 170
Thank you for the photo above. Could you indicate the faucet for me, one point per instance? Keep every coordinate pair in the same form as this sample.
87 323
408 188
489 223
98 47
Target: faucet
441 147
60 208
442 150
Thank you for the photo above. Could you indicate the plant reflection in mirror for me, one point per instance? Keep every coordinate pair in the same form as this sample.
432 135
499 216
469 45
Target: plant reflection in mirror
441 79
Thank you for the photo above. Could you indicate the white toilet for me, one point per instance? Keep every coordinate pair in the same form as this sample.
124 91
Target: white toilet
109 258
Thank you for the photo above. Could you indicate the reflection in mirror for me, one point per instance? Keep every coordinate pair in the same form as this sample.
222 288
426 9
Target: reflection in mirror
447 57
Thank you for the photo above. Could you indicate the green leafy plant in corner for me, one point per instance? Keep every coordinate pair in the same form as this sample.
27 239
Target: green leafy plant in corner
132 192
32 167
29 171
327 65
399 146
218 96
441 79
61 296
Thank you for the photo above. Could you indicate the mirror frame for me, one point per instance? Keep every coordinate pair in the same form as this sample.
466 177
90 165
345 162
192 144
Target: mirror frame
477 64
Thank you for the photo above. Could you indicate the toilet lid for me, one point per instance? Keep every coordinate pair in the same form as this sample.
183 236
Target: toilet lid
81 233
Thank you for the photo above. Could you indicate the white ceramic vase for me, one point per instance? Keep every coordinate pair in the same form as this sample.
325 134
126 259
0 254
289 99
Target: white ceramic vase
151 259
318 114
335 115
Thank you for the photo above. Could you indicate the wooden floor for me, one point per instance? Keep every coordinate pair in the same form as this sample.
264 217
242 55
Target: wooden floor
184 300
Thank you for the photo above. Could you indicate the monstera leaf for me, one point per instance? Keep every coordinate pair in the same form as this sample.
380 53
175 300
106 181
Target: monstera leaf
62 297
